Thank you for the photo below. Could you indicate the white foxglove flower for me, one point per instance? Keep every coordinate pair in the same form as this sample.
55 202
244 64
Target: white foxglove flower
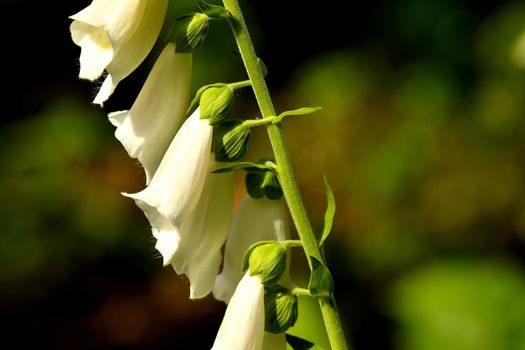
242 327
116 36
147 129
256 220
188 207
177 184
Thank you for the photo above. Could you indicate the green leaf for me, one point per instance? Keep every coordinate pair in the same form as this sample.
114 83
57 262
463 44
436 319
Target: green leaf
329 213
301 344
299 111
247 166
321 282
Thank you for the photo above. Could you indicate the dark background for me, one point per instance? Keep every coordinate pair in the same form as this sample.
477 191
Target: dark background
421 137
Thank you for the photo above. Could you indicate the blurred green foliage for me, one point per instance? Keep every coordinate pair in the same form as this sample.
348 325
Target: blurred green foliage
421 137
461 305
52 187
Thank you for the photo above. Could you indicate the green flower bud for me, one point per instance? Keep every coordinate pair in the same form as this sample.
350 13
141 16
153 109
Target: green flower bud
280 308
189 32
216 103
263 183
230 140
269 261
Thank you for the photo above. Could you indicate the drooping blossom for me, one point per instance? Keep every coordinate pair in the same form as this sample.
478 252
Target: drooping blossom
242 327
188 207
147 129
256 220
115 36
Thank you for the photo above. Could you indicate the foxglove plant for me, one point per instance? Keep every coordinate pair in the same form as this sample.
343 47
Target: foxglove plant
188 165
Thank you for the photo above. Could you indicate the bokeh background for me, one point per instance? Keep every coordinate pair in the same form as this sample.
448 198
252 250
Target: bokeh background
422 137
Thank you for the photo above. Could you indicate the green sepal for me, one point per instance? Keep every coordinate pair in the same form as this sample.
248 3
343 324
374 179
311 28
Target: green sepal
321 282
301 344
196 100
247 166
263 184
329 213
213 11
189 32
216 103
230 140
280 309
246 257
299 111
267 260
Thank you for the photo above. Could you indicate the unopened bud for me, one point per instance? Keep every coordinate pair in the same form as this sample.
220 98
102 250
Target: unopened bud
263 184
269 261
280 308
230 141
216 103
189 32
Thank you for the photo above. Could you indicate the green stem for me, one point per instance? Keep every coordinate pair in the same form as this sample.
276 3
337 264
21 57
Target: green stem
240 84
284 166
291 243
300 291
257 122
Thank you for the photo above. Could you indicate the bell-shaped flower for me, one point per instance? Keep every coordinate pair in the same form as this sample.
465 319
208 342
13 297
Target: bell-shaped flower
256 220
242 327
116 36
147 129
188 207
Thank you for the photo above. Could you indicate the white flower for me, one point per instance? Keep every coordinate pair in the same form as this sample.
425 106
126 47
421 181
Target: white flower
147 129
115 35
242 327
256 220
189 208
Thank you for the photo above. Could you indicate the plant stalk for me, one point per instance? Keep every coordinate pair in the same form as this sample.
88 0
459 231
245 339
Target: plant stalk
284 167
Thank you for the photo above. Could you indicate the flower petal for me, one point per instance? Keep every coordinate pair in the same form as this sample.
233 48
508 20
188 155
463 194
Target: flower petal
194 247
115 35
130 54
199 251
177 184
147 129
96 51
242 327
256 220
